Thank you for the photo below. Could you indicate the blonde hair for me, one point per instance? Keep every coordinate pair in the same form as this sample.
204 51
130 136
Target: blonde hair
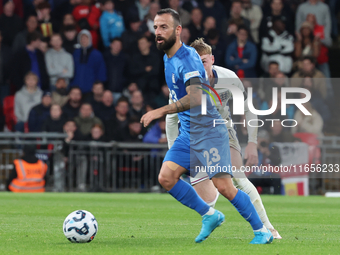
201 47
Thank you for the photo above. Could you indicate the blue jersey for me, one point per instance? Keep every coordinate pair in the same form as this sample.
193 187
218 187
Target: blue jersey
183 66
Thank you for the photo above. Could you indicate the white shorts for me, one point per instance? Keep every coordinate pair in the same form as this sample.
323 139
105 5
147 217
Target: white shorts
233 143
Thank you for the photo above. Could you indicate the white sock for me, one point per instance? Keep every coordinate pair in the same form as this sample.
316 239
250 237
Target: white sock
213 203
210 212
263 229
246 186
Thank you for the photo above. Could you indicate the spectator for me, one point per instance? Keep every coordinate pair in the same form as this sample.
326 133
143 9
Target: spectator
279 135
278 46
30 59
130 37
319 9
308 69
141 8
68 20
138 107
55 122
64 8
183 14
253 13
89 63
59 63
97 134
95 97
316 99
154 8
87 17
86 119
47 24
195 26
131 88
306 43
25 99
308 123
20 39
70 128
71 109
69 36
134 131
156 134
241 55
29 174
40 113
116 63
43 45
111 23
18 10
230 35
215 9
10 23
144 68
322 36
163 97
60 95
277 11
185 36
116 126
209 23
236 14
217 46
106 109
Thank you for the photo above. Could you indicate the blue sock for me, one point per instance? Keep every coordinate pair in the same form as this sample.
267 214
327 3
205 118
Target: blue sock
244 206
186 194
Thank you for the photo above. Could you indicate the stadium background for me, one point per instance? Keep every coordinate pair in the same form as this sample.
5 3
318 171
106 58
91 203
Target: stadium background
119 76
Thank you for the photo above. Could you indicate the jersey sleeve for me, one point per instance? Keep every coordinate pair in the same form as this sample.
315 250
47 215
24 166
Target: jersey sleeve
192 67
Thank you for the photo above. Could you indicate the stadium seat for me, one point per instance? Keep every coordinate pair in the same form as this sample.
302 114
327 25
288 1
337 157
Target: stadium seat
8 108
309 138
313 149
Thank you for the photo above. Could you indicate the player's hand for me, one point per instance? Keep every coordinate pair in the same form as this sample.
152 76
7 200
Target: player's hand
148 117
250 154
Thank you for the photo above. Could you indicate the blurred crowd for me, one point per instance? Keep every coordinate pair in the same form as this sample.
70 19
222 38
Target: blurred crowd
90 68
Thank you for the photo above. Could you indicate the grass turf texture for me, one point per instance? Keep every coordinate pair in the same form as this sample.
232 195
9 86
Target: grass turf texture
157 224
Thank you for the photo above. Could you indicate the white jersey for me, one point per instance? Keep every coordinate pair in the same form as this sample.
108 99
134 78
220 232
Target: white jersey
223 75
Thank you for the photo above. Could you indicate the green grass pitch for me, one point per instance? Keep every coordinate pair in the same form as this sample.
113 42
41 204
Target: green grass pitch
157 224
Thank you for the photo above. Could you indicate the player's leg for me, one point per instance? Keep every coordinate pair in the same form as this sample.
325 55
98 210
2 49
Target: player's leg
205 188
242 182
242 203
169 178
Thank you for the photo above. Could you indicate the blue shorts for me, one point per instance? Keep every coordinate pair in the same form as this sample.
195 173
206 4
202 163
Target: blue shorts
210 155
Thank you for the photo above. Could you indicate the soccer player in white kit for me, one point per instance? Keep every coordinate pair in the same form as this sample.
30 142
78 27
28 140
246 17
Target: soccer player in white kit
201 183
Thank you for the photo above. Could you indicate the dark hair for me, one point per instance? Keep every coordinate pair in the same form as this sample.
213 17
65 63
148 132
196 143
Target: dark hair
242 27
98 82
75 87
33 36
69 28
44 5
143 37
310 58
134 119
236 1
116 39
122 99
29 16
173 13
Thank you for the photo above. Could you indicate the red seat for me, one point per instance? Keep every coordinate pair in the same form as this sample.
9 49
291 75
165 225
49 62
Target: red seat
10 119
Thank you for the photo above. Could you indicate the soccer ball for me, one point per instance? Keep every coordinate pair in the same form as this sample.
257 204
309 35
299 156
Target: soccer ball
80 227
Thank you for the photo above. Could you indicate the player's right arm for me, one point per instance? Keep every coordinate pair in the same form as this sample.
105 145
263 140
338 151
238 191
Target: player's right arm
191 100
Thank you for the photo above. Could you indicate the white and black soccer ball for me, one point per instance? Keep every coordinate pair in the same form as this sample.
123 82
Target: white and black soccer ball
80 227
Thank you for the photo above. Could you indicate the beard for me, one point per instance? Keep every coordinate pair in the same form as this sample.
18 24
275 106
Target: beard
166 44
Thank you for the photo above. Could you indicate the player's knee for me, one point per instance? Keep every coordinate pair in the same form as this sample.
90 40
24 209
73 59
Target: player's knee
165 181
226 190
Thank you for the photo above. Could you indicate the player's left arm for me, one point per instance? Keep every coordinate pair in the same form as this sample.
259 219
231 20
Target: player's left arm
250 153
192 99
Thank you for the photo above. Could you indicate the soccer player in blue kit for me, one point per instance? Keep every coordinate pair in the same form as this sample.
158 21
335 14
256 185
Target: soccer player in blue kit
198 139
